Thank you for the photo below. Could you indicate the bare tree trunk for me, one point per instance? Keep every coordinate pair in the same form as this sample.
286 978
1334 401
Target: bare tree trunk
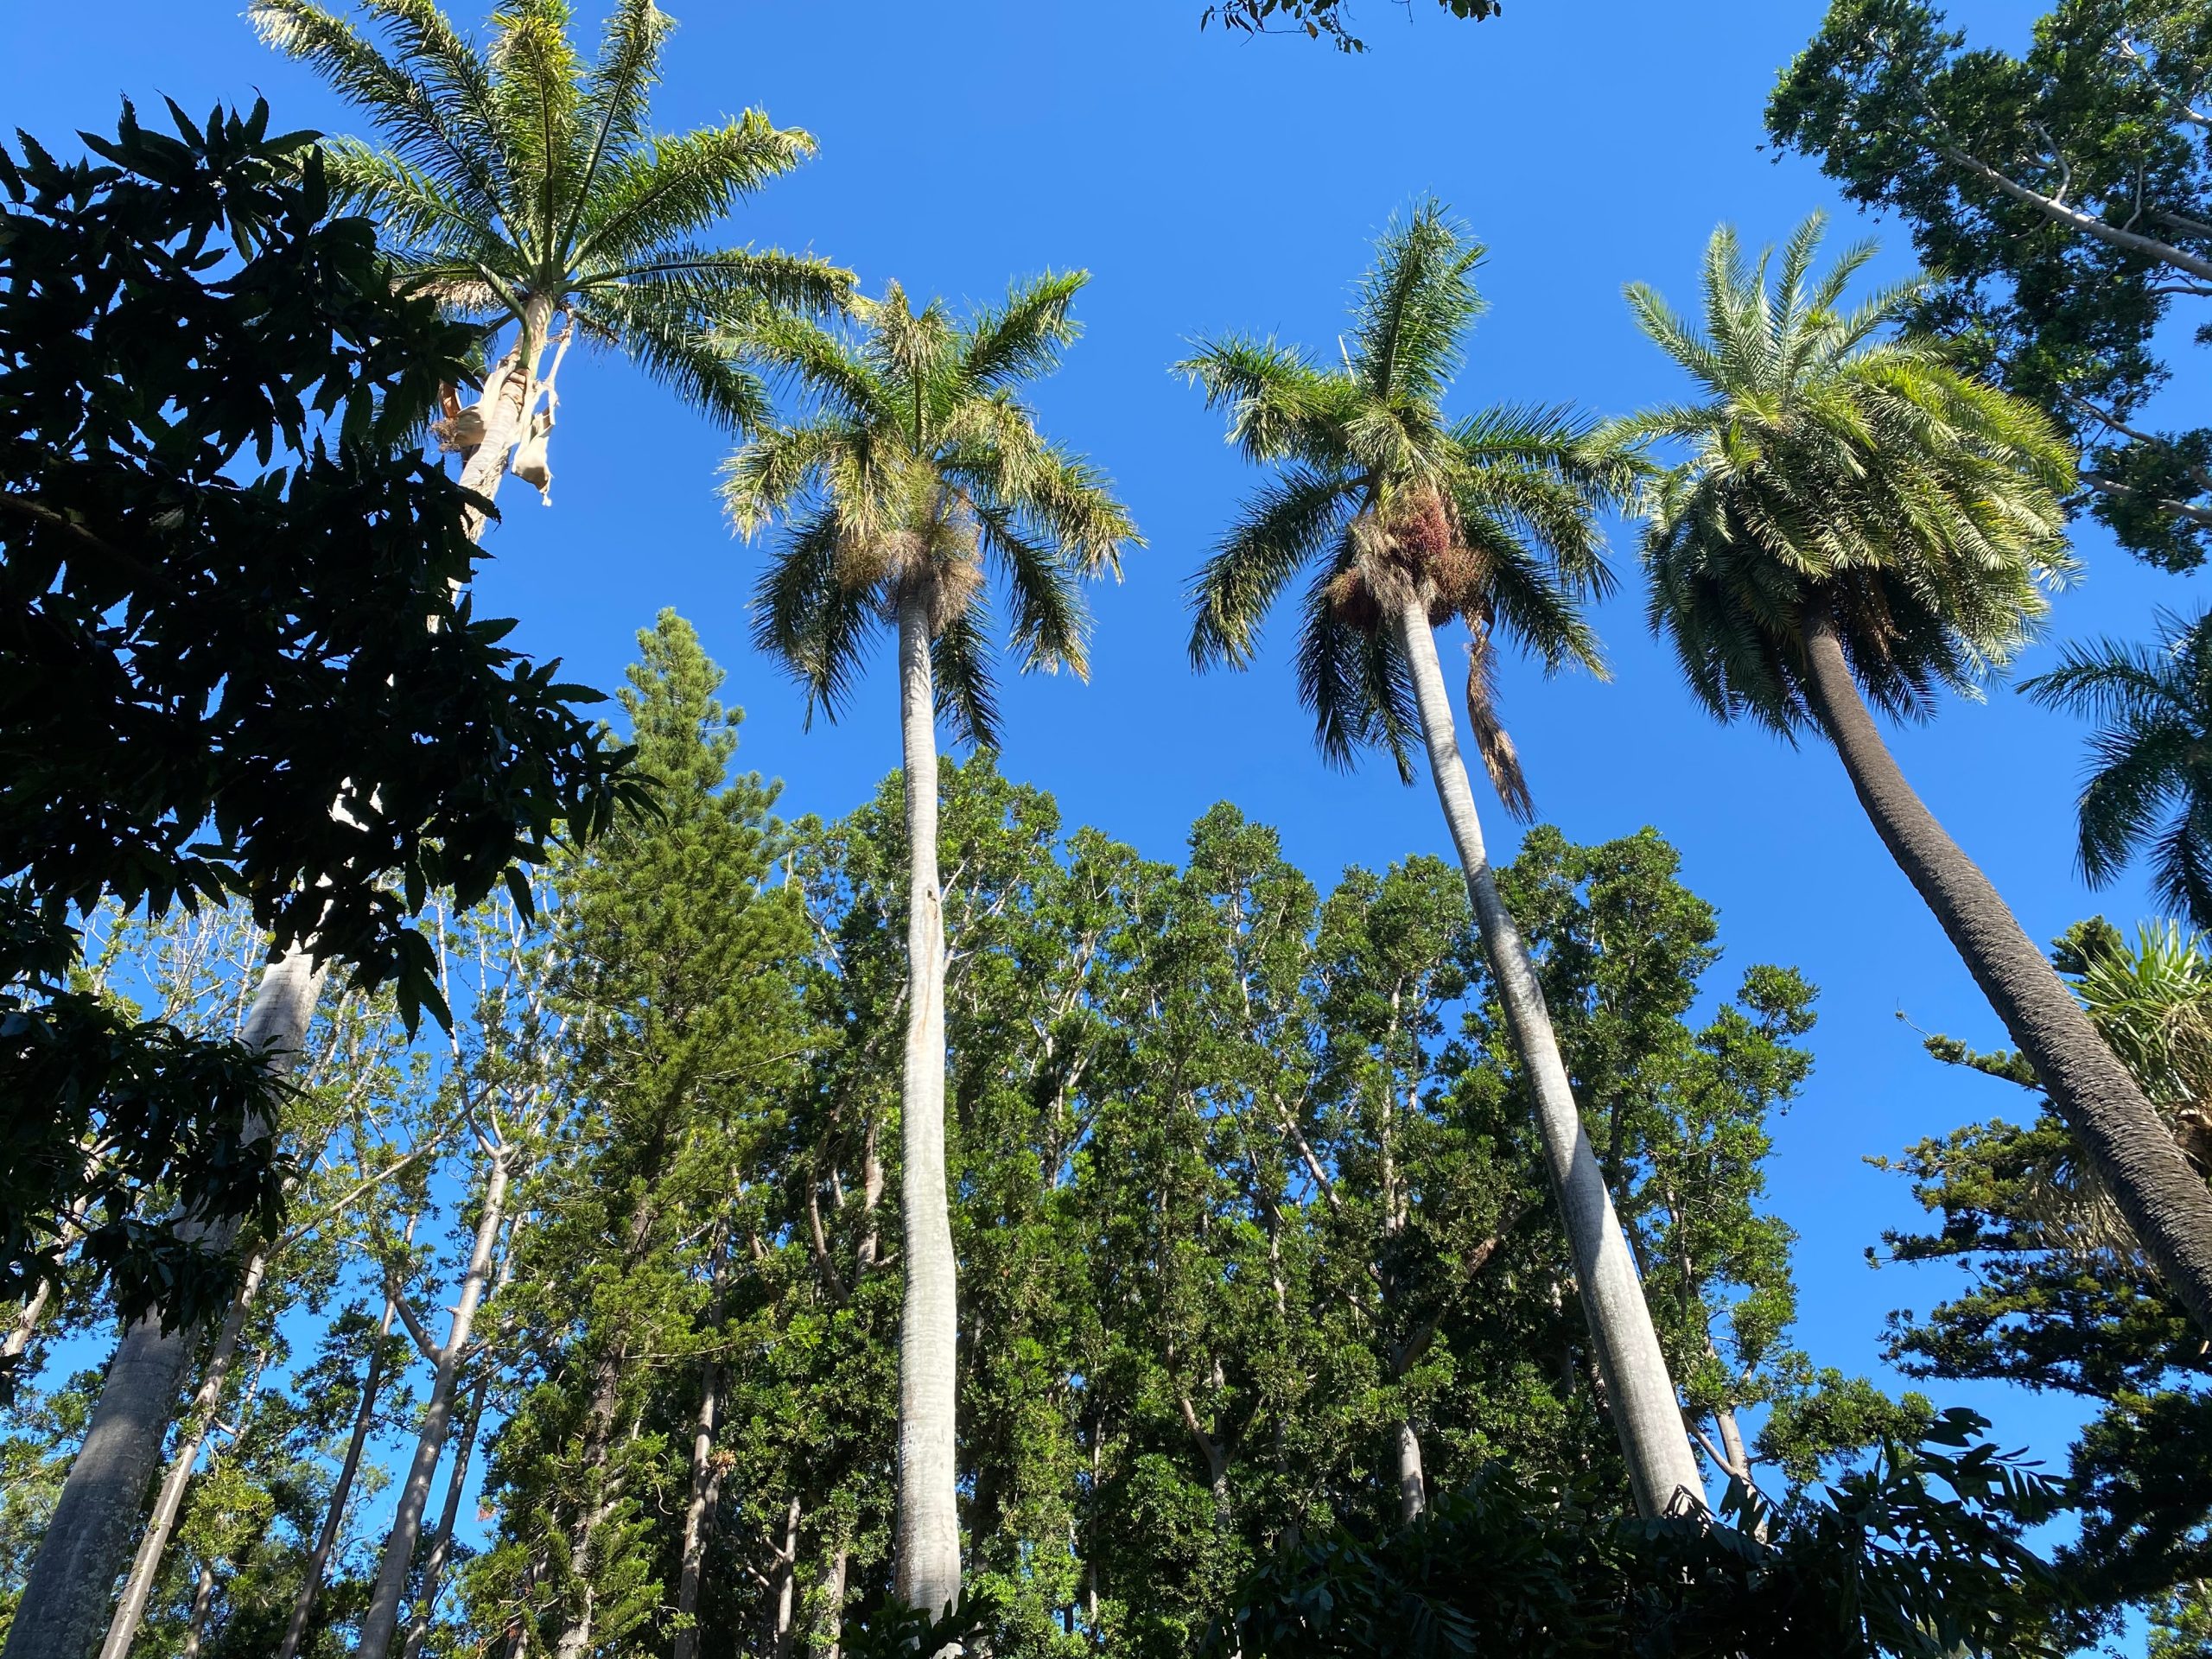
34 1309
834 1609
787 1583
334 1519
706 1475
146 1566
381 1622
2166 1204
203 1598
1413 1485
434 1568
1645 1412
65 1601
927 1529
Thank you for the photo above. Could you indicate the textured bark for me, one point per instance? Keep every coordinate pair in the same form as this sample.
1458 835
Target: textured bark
434 1566
203 1598
199 1417
706 1474
1636 1383
381 1622
787 1584
511 390
833 1613
1413 1487
65 1601
334 1519
927 1529
2166 1204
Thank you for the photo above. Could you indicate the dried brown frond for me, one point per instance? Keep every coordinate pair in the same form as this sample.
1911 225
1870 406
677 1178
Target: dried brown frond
1500 758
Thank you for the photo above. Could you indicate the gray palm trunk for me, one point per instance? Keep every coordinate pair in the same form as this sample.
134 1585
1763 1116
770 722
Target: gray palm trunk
381 1622
169 1504
927 1532
296 1627
2166 1205
1639 1389
64 1608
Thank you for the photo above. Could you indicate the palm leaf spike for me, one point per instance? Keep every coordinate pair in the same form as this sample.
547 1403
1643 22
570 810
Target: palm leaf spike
1407 520
914 478
525 186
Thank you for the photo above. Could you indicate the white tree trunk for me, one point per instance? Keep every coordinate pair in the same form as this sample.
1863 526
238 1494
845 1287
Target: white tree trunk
381 1621
295 1628
146 1566
1413 1485
65 1601
433 1568
706 1476
1645 1411
203 1598
927 1535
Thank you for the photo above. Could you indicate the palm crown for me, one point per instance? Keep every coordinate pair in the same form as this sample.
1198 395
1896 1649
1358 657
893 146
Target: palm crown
520 182
917 465
1834 462
1492 518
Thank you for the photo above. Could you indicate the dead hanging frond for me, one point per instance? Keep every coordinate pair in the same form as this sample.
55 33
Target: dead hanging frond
1500 758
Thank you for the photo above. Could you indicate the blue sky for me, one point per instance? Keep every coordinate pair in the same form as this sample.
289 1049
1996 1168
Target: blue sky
1209 183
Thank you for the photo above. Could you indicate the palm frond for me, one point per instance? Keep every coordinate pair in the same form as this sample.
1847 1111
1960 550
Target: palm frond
1414 305
674 187
960 668
613 109
659 333
808 619
1023 338
1283 527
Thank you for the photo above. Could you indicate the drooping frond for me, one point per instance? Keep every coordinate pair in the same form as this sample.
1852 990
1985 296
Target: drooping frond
807 618
653 328
1281 407
960 669
1279 532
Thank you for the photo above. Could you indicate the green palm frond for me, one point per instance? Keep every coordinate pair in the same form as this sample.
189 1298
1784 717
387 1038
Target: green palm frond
613 106
2150 783
1838 463
1414 307
661 334
668 189
935 479
1517 487
534 73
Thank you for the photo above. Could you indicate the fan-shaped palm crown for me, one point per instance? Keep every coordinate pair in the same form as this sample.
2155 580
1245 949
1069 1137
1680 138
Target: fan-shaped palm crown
520 180
1835 463
1492 518
2150 777
917 465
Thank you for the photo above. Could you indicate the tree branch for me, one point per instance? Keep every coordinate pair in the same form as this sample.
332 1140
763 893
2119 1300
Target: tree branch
2089 224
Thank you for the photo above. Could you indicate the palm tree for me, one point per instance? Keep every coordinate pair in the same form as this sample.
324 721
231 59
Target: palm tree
2151 758
526 188
1408 520
1858 523
918 467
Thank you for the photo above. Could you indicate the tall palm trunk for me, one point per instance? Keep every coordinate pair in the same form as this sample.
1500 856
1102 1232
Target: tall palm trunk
1639 1388
927 1534
65 1601
146 1565
2166 1204
334 1517
434 1566
381 1622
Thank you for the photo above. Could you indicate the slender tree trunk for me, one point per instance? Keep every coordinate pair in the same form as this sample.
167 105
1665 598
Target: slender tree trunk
927 1532
1645 1412
787 1583
334 1519
834 1599
1413 1486
2166 1202
203 1598
146 1565
706 1477
65 1601
382 1621
434 1568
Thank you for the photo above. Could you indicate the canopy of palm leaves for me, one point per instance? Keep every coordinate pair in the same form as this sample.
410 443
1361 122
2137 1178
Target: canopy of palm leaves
2150 777
1380 495
1835 462
518 179
918 467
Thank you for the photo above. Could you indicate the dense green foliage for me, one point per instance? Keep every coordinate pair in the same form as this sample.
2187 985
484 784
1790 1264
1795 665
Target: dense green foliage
2062 197
220 551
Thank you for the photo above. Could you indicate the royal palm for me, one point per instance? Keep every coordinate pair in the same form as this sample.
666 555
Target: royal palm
525 186
1858 523
1407 520
917 475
